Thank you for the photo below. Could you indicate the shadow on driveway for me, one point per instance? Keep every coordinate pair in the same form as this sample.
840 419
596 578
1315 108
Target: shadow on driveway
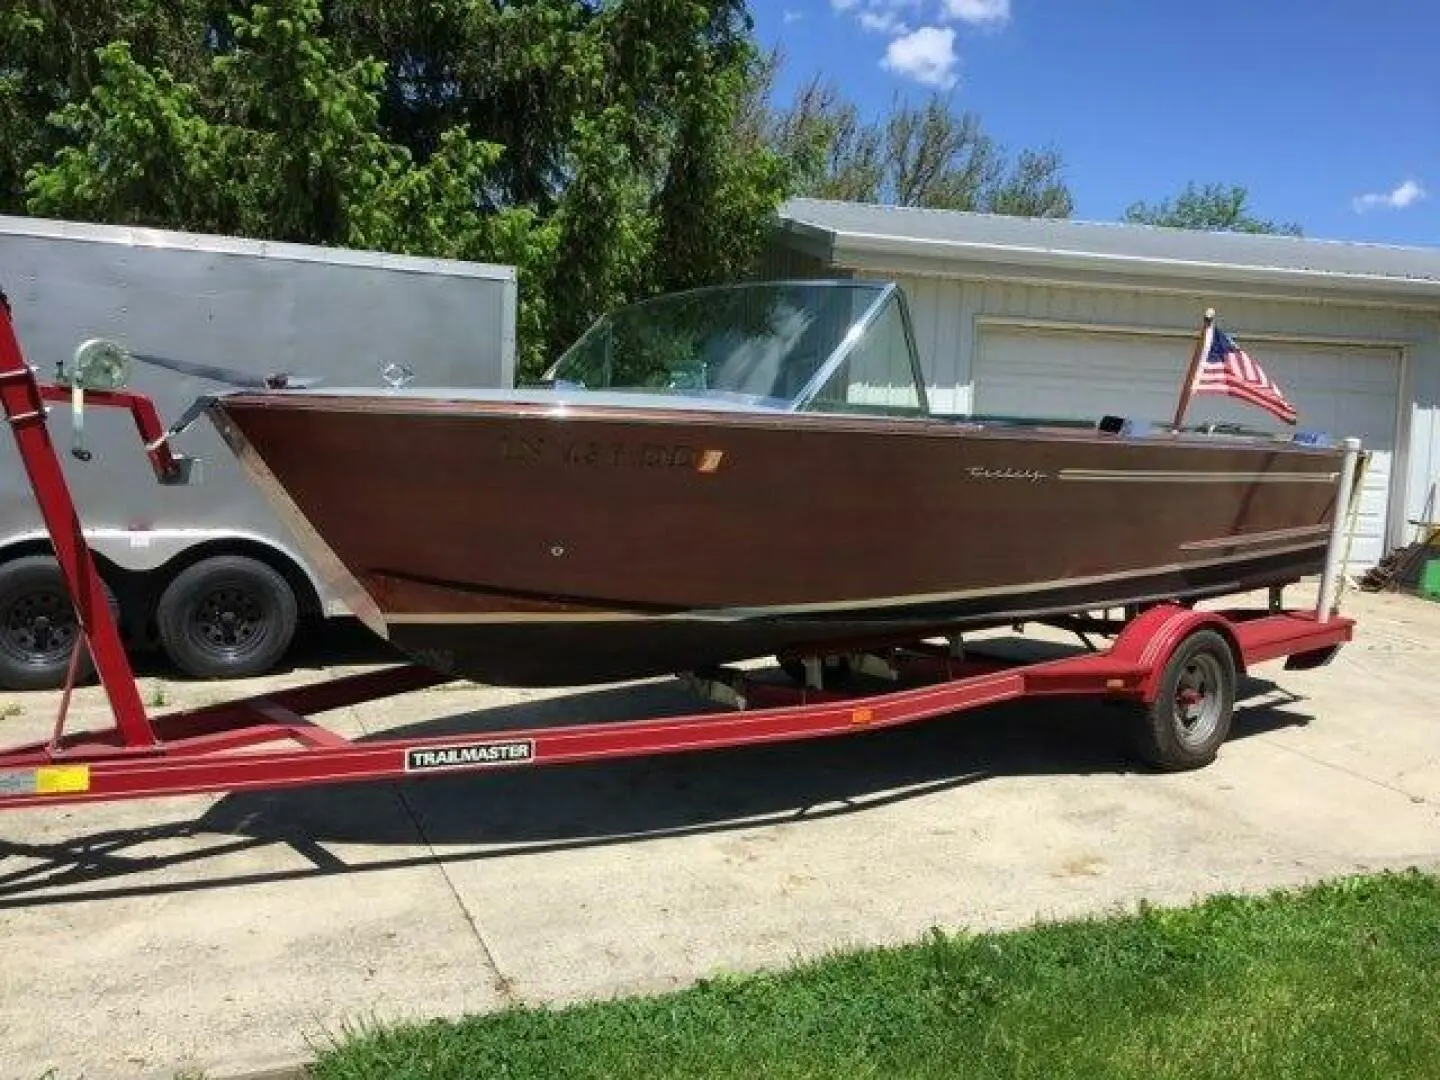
491 815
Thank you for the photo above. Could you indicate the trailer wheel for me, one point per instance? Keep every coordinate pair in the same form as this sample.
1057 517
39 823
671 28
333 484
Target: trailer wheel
226 617
38 625
1190 718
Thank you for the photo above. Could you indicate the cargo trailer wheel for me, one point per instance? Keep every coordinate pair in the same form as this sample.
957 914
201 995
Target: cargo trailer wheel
1190 718
38 625
226 617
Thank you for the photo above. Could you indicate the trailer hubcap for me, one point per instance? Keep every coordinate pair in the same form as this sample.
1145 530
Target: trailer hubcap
40 626
1197 698
228 620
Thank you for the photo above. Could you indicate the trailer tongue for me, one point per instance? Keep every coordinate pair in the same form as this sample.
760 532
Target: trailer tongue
1177 666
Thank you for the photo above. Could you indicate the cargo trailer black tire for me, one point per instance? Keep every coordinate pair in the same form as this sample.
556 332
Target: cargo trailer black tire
38 625
1190 718
226 617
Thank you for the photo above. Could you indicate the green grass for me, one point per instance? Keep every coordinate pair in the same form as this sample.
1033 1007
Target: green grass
1341 980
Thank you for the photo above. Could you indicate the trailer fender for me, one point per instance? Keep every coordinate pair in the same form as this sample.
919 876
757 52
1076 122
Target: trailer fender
1151 639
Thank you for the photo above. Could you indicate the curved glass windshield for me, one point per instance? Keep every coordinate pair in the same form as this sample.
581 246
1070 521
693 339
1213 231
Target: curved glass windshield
761 342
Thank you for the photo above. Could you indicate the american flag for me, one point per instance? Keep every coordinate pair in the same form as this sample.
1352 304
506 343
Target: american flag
1228 369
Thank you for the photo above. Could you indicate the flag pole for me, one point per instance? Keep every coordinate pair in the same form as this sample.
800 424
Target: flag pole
1202 346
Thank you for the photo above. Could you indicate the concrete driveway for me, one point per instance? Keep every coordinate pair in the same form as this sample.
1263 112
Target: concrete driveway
233 933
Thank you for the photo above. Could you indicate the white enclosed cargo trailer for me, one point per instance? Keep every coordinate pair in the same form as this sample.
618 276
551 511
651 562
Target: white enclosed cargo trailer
205 569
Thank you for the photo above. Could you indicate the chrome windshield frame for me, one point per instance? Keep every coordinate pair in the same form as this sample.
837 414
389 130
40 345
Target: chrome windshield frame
699 290
854 336
800 401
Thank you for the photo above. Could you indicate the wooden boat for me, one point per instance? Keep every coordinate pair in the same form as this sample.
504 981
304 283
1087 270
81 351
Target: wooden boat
747 470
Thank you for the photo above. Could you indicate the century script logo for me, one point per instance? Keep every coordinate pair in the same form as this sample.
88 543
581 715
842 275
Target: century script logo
979 472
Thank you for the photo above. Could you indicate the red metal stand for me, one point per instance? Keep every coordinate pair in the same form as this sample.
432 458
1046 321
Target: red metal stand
269 742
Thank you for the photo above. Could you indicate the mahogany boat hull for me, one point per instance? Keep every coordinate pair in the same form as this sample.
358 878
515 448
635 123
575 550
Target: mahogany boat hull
543 542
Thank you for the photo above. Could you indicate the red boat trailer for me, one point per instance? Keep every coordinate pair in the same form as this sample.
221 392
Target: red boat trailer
1175 664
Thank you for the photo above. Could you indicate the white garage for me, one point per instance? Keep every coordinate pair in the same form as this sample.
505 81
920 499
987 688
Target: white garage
1076 320
1084 373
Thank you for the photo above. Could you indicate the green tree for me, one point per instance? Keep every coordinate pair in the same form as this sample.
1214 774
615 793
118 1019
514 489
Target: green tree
586 142
924 154
49 58
1212 208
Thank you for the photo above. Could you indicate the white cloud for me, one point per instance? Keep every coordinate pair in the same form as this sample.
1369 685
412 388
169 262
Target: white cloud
1404 194
890 16
927 55
790 15
979 11
880 16
883 22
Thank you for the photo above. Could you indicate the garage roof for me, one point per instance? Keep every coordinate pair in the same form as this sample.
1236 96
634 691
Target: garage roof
859 234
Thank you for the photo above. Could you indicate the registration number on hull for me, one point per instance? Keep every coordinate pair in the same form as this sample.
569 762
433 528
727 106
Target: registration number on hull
596 454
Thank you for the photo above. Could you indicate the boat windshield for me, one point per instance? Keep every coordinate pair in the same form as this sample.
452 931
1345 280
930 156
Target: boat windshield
760 343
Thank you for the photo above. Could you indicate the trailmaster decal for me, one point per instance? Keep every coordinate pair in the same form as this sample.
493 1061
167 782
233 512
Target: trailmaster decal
470 755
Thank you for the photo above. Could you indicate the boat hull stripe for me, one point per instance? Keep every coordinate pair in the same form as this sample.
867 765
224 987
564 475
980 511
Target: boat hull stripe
738 614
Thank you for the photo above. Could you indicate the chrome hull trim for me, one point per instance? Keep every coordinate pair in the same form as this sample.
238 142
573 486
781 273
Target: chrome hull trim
327 564
1166 476
835 607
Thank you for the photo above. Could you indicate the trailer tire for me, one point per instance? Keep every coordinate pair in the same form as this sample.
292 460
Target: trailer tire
1184 727
226 617
38 625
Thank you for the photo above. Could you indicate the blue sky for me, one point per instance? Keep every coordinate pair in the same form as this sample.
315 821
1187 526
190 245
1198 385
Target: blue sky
1328 111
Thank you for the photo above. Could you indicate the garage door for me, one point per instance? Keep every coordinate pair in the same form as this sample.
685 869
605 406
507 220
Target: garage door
1341 391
